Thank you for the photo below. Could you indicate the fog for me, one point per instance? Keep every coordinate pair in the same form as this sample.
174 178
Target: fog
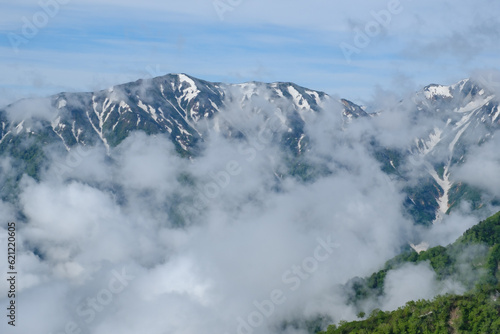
139 239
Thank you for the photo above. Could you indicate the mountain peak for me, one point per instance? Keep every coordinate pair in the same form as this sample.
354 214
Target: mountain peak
352 110
434 91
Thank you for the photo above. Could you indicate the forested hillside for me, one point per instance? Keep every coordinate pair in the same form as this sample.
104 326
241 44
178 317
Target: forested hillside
478 311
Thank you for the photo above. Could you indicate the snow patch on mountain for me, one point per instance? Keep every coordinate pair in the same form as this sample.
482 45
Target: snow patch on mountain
432 142
445 185
191 91
19 127
496 114
461 84
437 90
315 95
61 104
451 147
298 99
478 103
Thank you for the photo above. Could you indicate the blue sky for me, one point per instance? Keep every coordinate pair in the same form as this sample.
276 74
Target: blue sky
90 45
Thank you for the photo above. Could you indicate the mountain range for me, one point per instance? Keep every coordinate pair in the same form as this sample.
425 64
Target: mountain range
212 192
450 123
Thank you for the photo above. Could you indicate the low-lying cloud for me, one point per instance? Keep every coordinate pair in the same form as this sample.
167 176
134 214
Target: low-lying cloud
141 240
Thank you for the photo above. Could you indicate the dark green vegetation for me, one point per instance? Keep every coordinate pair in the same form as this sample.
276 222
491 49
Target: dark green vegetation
472 313
478 311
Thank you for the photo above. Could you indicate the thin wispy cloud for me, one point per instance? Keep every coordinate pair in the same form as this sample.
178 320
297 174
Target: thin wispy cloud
127 37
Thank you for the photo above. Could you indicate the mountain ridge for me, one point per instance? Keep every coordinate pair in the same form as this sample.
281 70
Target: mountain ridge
452 122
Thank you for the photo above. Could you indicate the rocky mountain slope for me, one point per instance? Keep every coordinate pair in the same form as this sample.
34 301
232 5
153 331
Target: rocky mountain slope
452 122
